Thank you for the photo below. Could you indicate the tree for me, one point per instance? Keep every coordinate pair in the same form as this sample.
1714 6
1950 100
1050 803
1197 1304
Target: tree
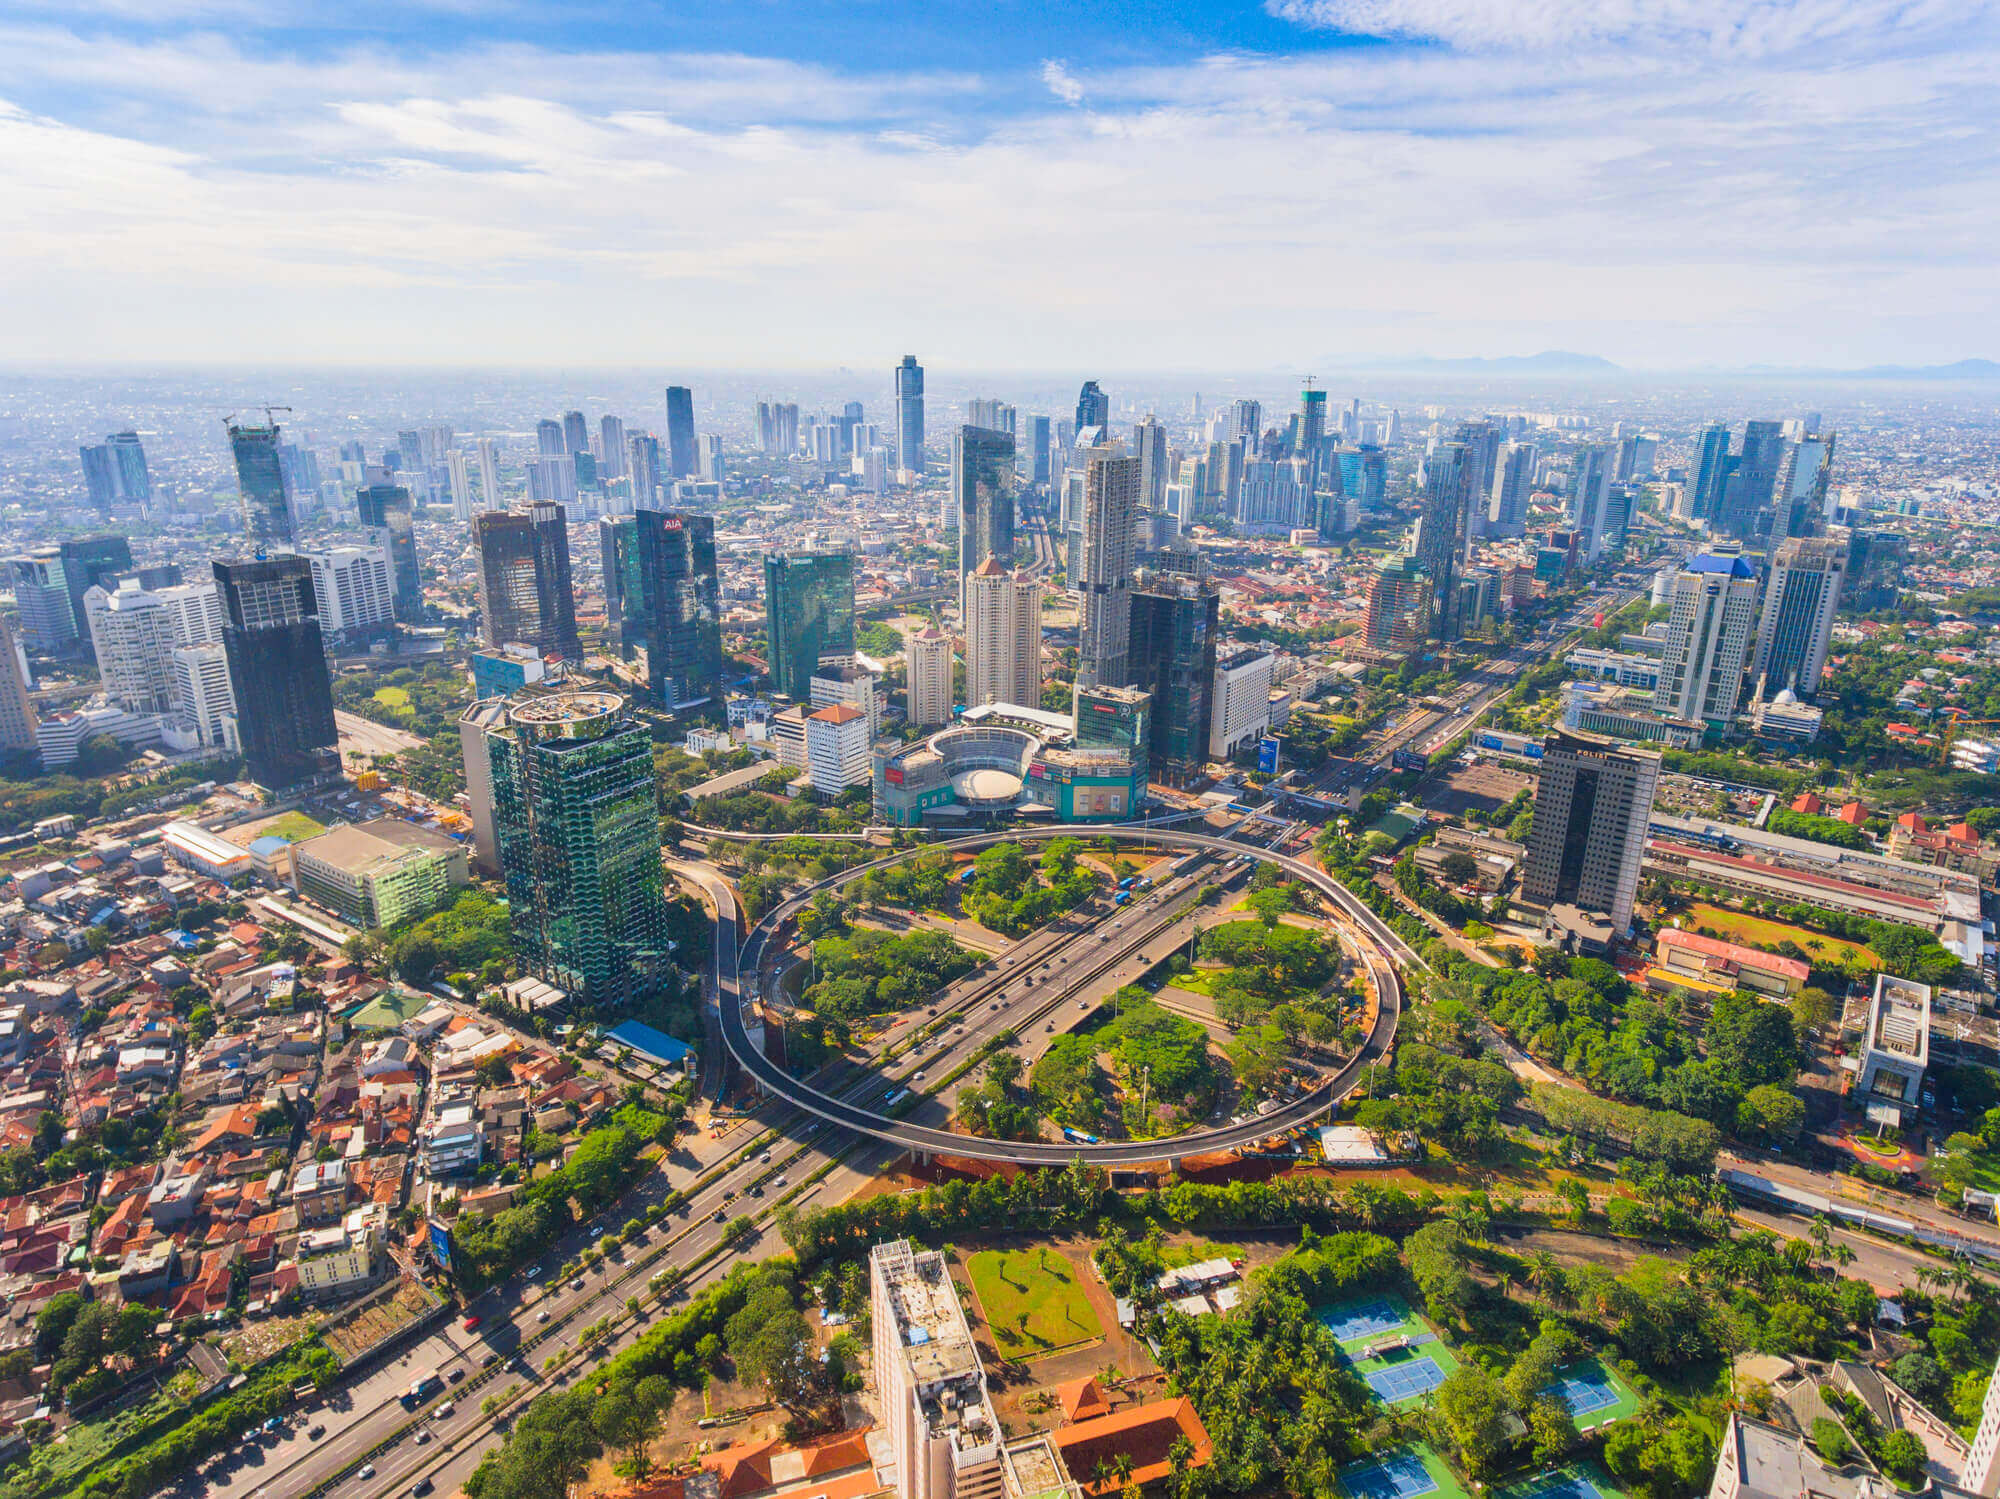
1903 1457
1473 1414
1771 1113
1552 1428
1921 1375
772 1343
1270 904
1813 1008
1828 1440
1459 867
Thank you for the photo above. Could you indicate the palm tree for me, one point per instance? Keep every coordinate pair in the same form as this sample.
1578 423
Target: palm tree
1822 1238
1544 1274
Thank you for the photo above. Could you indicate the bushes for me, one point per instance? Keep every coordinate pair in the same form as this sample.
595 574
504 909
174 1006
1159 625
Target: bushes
595 1176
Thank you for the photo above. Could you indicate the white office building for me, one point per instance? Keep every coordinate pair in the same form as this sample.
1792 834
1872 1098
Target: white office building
203 698
133 634
355 589
837 741
1708 640
1239 702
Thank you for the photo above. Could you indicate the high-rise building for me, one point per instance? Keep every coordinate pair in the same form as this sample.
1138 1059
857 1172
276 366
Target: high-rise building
554 594
708 457
489 475
1982 1463
1635 457
549 438
1803 478
260 479
86 562
524 580
1093 407
1102 577
1589 492
681 603
1749 490
645 468
1035 461
100 474
1239 712
927 675
277 666
983 484
1709 468
681 454
128 459
133 634
1593 805
1003 636
1149 441
576 432
1172 656
356 592
464 503
613 457
386 508
18 722
624 592
1441 534
1708 640
1312 428
1399 607
808 616
552 480
1247 420
576 828
909 415
49 625
1796 626
1513 482
837 741
196 609
203 698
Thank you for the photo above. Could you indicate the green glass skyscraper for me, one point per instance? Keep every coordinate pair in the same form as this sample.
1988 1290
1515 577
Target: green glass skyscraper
260 478
808 614
577 832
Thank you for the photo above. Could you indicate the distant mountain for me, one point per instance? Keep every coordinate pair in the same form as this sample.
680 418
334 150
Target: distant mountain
1548 362
1963 369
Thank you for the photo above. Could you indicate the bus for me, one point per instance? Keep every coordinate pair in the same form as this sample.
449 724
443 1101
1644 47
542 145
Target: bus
1078 1136
422 1388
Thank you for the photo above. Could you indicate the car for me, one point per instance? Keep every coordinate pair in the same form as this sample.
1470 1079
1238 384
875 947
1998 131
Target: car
533 1272
1083 1004
916 1077
491 1358
577 1284
994 1006
1050 1026
454 1376
721 1215
314 1433
423 1487
777 1181
423 1435
273 1424
757 1189
471 1322
597 1231
366 1470
444 1412
542 1315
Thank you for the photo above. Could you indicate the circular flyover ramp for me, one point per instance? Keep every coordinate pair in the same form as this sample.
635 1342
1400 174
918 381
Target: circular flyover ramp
1375 939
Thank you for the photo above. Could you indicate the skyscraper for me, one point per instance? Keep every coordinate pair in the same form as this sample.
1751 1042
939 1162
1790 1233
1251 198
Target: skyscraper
1748 492
1448 495
128 458
1803 477
87 561
489 475
1796 627
983 485
1513 482
1708 640
1102 577
386 508
1312 429
1036 459
1592 808
624 592
577 832
524 580
1589 489
909 415
708 459
554 594
1399 612
260 479
1709 468
549 438
1482 441
203 697
1003 636
1173 658
613 458
464 504
49 624
1247 420
576 432
681 602
808 616
994 415
1149 441
1093 407
927 662
17 710
646 479
133 635
680 431
277 665
100 474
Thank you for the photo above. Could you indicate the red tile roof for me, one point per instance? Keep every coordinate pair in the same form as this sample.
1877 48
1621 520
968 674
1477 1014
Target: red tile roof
1144 1433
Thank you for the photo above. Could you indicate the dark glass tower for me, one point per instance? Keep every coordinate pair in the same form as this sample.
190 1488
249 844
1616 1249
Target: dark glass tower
509 609
809 613
1173 659
624 596
553 592
1448 494
910 414
576 826
128 456
277 666
260 478
1093 407
680 431
983 485
89 560
682 603
387 508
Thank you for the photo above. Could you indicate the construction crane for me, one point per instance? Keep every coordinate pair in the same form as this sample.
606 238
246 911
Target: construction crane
1951 728
270 416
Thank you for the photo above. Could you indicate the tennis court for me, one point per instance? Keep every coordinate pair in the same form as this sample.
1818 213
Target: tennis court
1584 1393
1406 1381
1363 1319
1400 1477
1595 1397
1568 1484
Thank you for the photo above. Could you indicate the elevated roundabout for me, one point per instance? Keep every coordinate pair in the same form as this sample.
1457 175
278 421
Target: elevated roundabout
1374 941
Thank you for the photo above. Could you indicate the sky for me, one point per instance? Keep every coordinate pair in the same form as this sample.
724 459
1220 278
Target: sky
1670 184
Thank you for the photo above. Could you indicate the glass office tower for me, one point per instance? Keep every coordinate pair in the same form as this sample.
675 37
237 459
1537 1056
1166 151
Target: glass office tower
808 615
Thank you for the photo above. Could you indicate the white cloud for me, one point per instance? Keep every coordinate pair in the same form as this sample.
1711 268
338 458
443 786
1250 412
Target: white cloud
1652 203
1061 82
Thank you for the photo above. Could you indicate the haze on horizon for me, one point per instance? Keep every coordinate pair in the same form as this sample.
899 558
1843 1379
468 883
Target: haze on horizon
1667 184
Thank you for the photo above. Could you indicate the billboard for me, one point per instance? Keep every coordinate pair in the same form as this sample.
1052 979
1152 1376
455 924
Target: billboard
1410 760
1267 756
441 1244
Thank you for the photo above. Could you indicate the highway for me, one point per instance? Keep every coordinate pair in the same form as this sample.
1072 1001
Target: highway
1046 991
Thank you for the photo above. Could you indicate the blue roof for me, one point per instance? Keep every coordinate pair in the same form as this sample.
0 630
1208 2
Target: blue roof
1735 567
270 843
654 1045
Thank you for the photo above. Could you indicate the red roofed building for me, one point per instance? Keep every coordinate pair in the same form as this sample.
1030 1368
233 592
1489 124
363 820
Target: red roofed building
1852 813
1708 960
1145 1434
1082 1400
1808 804
742 1469
1955 847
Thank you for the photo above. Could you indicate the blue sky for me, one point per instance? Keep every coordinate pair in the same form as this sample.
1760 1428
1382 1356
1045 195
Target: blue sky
1670 183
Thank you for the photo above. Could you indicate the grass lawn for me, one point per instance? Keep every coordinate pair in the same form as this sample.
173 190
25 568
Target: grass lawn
1032 1302
393 697
1756 931
295 827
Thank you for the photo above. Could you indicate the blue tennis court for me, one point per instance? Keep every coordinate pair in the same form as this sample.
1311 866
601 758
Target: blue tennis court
1561 1486
1401 1381
1401 1477
1583 1393
1362 1320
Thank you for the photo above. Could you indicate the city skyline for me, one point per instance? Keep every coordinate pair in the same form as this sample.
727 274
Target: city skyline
1510 173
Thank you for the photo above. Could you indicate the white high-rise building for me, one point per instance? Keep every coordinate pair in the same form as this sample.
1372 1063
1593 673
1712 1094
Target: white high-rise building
1590 488
355 590
1796 627
197 612
489 476
941 1426
927 663
1708 640
1103 577
1003 637
202 694
1513 481
837 742
1150 439
1239 702
132 633
612 454
708 460
463 505
1982 1466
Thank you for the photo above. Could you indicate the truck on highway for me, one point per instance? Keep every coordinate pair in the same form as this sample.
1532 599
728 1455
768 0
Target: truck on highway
1078 1136
422 1388
1121 897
